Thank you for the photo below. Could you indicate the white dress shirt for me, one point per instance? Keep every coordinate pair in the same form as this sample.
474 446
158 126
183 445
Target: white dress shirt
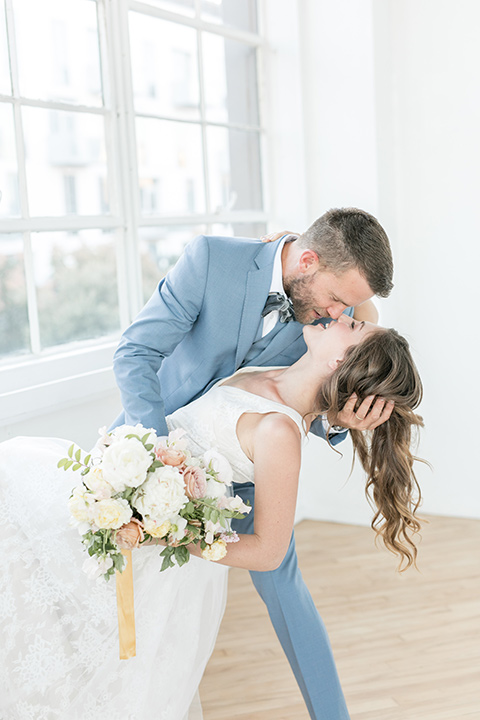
270 320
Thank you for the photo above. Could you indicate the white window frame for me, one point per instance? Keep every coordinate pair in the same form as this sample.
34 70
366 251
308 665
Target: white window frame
62 376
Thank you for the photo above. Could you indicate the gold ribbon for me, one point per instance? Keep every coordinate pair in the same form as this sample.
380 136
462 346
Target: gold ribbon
125 609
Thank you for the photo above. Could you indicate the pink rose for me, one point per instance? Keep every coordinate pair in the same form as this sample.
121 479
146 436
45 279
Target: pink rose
195 482
130 535
169 456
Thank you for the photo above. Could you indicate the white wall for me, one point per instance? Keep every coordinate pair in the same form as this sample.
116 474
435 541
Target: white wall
425 114
78 422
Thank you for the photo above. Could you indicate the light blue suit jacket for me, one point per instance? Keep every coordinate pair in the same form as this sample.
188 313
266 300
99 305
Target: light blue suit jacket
198 327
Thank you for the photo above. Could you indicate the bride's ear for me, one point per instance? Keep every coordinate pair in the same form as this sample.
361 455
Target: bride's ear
334 363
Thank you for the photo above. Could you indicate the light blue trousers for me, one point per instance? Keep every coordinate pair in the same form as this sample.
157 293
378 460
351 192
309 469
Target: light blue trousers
299 627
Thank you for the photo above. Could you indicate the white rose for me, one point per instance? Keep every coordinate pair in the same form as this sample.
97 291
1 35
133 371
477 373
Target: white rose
220 465
80 506
125 464
111 513
95 482
215 489
162 495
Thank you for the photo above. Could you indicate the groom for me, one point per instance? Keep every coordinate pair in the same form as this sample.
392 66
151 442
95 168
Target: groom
235 302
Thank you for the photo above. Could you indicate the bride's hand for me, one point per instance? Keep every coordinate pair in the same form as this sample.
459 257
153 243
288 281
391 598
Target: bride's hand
368 416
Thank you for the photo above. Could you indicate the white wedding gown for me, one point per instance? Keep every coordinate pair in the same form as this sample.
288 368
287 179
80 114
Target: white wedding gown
58 629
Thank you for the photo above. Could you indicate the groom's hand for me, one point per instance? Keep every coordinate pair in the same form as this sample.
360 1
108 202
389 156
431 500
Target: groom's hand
369 414
271 237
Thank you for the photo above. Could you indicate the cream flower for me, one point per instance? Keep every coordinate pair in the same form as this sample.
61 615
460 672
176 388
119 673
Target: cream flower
162 495
80 505
235 503
95 482
220 465
120 432
216 551
210 529
111 513
125 464
215 489
155 529
95 566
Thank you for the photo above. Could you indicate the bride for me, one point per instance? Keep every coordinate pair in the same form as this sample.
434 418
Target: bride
59 654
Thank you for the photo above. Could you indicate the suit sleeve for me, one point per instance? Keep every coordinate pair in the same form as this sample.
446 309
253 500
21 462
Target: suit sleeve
316 428
155 333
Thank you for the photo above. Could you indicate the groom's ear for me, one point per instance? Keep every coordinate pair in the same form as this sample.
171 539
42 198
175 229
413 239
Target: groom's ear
308 261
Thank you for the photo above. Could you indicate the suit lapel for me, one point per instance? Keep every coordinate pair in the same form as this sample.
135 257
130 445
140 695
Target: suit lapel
288 334
259 280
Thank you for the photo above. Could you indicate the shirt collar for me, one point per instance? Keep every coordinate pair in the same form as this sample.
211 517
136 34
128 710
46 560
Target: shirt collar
277 275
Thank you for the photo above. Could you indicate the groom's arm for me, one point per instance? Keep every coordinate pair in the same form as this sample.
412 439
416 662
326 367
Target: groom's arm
167 317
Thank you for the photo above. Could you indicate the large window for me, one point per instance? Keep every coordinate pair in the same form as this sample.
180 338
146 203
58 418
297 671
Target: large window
126 128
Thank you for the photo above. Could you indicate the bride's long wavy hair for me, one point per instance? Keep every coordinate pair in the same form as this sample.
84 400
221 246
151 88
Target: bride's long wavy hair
382 365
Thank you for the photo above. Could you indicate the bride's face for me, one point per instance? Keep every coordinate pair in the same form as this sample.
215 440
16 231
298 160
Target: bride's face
330 343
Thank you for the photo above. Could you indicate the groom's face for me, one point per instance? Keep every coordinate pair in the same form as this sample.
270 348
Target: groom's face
318 292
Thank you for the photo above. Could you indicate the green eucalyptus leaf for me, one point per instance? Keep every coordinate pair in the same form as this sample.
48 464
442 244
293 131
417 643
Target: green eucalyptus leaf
77 466
71 449
182 555
61 462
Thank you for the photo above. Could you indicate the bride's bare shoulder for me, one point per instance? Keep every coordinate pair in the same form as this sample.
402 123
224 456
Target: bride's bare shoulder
267 434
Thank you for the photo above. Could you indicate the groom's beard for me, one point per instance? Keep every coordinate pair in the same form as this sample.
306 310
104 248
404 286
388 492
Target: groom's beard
298 290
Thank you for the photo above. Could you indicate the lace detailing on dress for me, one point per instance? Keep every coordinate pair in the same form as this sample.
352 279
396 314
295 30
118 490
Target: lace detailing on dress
212 421
59 649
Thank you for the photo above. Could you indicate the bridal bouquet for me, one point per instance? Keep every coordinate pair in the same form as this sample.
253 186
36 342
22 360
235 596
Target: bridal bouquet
136 486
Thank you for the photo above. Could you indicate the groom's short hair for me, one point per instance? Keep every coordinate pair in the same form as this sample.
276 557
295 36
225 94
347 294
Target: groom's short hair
346 238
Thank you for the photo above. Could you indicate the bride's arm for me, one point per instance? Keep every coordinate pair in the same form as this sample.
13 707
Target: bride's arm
273 442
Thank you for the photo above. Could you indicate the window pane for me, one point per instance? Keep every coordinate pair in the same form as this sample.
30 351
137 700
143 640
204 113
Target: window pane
160 248
234 169
170 167
9 200
76 280
164 67
230 69
5 83
185 7
14 334
241 229
241 14
65 162
58 50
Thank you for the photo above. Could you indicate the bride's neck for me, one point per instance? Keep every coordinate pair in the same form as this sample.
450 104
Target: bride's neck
298 385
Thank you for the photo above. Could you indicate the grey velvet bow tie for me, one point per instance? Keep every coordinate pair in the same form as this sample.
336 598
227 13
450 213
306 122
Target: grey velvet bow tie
277 301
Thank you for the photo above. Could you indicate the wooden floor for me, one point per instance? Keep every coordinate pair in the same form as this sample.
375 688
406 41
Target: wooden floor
407 646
